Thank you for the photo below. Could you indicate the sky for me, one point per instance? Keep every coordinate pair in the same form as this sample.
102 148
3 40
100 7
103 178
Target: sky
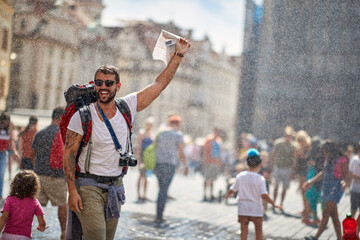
221 20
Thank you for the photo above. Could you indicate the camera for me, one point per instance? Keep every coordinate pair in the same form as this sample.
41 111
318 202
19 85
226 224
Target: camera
127 159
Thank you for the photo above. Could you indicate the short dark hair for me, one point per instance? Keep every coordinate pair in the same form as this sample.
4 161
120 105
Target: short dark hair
253 161
33 119
5 121
25 184
57 113
332 148
108 69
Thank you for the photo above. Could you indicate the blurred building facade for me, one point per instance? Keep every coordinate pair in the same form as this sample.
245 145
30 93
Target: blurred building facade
246 102
6 14
308 72
58 43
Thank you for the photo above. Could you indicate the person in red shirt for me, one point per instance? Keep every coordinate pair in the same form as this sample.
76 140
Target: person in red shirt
211 162
26 138
6 144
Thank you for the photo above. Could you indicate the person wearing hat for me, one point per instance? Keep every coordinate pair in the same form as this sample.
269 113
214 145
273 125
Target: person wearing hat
251 191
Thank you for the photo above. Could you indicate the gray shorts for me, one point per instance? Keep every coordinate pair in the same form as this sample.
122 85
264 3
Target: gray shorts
354 200
53 189
282 175
211 172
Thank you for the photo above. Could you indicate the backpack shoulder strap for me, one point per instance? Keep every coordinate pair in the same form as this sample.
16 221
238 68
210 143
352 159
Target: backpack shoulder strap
65 119
86 122
125 111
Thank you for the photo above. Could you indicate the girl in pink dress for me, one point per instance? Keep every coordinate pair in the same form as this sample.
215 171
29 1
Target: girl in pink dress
21 206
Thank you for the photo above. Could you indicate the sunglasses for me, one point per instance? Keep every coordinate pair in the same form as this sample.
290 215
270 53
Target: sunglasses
108 83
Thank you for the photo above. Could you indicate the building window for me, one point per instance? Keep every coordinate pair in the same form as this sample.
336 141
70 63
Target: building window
47 96
2 86
59 95
48 73
14 99
23 24
62 55
18 47
5 40
70 78
15 71
51 51
33 100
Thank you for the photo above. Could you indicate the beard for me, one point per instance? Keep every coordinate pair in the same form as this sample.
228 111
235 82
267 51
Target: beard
109 99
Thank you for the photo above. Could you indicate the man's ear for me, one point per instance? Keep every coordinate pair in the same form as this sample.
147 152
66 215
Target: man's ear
118 86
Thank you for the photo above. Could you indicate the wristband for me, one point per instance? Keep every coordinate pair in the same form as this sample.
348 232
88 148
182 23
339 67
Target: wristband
179 54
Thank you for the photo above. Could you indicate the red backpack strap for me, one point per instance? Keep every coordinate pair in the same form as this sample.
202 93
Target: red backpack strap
125 111
65 119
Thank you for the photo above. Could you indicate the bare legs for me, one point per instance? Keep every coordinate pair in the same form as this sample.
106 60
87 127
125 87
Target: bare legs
330 210
209 184
302 180
62 215
244 226
142 182
283 194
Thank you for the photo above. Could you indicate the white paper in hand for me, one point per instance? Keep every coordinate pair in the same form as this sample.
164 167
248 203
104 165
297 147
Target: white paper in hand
165 46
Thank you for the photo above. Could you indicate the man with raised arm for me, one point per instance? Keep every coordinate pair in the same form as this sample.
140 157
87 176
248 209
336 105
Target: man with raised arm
93 191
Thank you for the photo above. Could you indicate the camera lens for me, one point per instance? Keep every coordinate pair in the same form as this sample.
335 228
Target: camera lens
132 162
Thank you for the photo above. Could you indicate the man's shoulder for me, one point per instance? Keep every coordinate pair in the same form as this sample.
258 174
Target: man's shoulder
42 131
128 99
209 138
279 141
354 160
171 132
47 130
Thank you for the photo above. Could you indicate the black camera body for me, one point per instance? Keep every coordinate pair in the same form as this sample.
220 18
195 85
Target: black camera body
127 159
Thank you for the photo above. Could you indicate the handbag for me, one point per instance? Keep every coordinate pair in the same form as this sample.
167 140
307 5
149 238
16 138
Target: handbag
149 155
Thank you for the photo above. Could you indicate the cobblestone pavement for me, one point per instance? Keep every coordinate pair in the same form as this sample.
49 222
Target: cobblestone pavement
188 217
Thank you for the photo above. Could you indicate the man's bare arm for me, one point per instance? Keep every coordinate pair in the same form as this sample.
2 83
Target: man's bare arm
72 144
146 96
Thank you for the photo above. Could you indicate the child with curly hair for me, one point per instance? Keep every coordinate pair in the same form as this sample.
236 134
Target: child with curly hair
21 206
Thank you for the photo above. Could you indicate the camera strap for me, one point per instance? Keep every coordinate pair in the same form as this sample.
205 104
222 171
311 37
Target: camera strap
111 130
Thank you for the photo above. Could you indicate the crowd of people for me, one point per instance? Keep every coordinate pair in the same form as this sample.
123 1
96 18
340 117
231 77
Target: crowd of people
321 168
